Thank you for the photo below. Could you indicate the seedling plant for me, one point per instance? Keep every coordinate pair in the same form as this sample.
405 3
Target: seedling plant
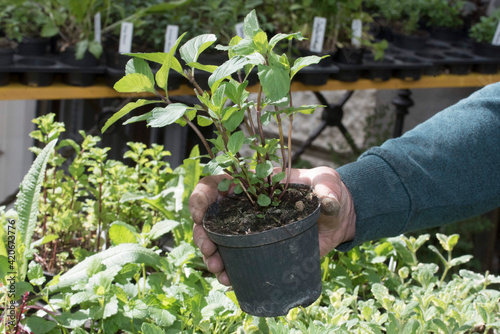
228 105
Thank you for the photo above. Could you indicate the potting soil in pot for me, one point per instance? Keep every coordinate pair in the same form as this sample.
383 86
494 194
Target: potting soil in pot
237 216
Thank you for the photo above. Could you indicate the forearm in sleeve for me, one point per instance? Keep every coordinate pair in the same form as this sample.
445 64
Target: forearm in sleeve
444 170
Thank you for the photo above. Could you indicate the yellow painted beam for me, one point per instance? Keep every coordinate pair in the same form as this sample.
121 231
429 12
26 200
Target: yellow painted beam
60 91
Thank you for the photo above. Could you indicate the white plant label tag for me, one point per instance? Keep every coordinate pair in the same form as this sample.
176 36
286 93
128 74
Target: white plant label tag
97 27
126 34
318 34
171 35
357 30
496 38
238 27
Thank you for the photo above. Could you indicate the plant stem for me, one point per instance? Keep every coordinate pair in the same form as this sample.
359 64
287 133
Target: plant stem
282 140
100 212
200 135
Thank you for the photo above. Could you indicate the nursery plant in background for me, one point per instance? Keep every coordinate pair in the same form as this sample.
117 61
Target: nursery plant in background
261 193
351 44
445 19
26 23
399 21
87 198
483 32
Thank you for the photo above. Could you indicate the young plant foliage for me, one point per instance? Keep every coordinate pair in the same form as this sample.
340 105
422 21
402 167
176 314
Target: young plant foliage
238 121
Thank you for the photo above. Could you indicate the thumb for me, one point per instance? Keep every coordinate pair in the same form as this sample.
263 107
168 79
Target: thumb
330 205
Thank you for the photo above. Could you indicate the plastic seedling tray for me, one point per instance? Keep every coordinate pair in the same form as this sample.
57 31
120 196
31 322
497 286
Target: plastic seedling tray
316 75
39 71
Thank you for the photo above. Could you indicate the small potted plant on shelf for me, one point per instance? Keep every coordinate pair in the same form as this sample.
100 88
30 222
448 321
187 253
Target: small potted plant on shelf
483 32
271 257
74 23
6 54
353 40
445 19
27 25
150 20
401 18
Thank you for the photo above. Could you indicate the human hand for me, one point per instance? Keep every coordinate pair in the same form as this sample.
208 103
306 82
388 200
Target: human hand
336 223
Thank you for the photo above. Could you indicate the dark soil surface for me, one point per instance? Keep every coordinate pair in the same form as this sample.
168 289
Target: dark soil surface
235 215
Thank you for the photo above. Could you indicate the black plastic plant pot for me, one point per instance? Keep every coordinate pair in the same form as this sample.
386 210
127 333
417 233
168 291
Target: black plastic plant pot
460 68
273 271
79 77
347 75
349 55
116 60
486 68
4 78
446 33
486 50
410 42
6 56
436 68
409 73
33 46
37 78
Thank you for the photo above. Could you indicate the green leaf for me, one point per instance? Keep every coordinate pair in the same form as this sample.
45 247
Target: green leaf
302 62
402 251
28 201
46 239
95 48
260 42
49 29
195 46
264 200
39 325
224 184
460 260
275 81
164 116
225 70
250 24
125 110
162 317
278 177
81 48
136 65
279 37
122 233
111 308
236 142
201 67
162 227
35 274
163 72
235 120
118 255
411 327
134 83
73 319
204 120
140 118
163 7
148 328
159 57
263 170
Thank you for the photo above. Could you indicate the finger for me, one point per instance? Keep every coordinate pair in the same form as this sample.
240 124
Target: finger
330 206
214 263
204 194
200 238
224 279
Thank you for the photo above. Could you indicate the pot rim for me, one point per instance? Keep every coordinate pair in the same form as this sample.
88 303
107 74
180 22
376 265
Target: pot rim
265 237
